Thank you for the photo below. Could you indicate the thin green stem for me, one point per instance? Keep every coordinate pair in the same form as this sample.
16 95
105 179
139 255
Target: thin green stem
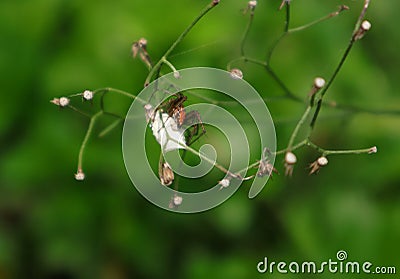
246 32
329 16
87 136
341 63
110 127
285 32
169 64
326 152
287 91
158 65
297 128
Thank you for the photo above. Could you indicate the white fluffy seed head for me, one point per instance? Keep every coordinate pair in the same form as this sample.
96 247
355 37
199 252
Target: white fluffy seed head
322 161
366 25
87 95
64 101
290 158
319 82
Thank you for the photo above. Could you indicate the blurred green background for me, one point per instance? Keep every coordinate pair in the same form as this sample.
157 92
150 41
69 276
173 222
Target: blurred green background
52 226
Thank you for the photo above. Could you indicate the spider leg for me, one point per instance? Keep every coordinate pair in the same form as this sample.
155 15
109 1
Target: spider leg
194 135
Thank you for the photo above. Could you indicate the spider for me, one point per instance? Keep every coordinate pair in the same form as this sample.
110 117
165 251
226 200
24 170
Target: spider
174 108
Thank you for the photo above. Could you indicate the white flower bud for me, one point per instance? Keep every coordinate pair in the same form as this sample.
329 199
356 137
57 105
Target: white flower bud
252 4
177 200
290 158
366 25
236 74
80 175
319 82
64 101
224 183
372 150
87 95
177 74
322 161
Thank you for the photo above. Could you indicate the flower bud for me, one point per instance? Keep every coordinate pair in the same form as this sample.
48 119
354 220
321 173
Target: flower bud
80 176
224 183
64 101
166 174
372 150
290 161
252 4
319 82
177 200
236 74
149 112
87 95
318 164
290 158
322 161
364 27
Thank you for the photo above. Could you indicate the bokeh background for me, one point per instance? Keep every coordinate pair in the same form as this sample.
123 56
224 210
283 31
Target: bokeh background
52 226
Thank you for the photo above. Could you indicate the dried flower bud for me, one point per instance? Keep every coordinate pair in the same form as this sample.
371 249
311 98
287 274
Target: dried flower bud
149 112
372 150
141 48
290 160
224 183
61 102
142 42
343 8
55 101
364 27
166 174
215 2
236 74
80 176
318 164
266 168
87 95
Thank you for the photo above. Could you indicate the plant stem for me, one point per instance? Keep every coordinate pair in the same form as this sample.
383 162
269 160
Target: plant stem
326 152
331 15
87 136
246 32
340 65
297 128
178 40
